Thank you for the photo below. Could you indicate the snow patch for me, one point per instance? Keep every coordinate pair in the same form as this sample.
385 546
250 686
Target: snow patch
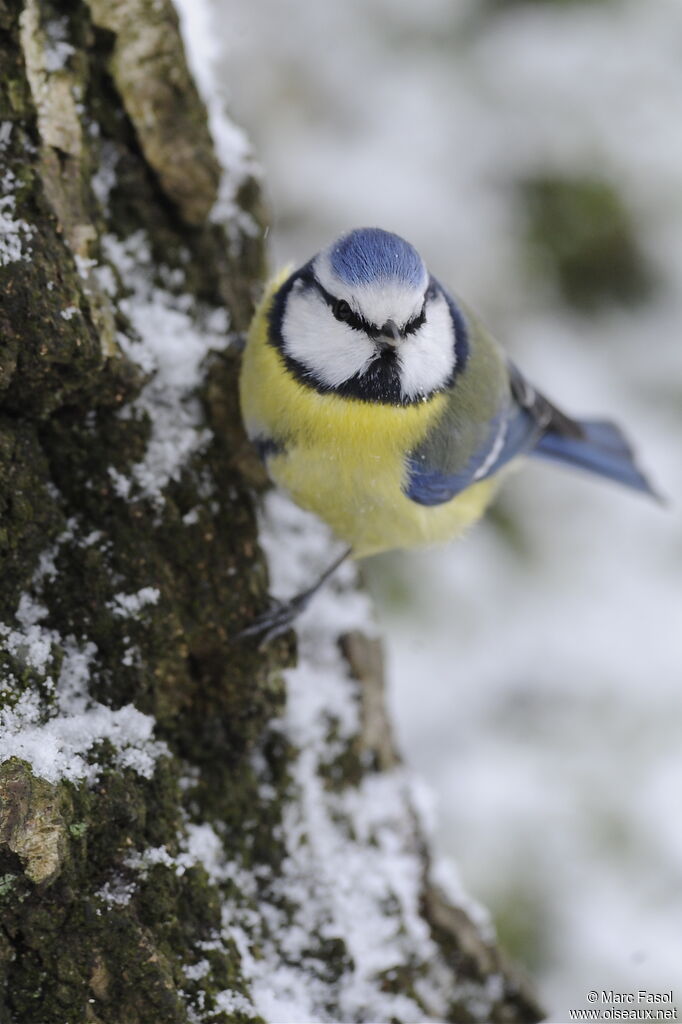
170 346
234 1002
122 483
117 893
193 972
129 605
57 749
14 234
32 646
57 50
231 144
56 741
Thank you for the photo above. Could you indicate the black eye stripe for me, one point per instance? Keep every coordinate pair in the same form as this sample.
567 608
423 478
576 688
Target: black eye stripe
349 317
413 325
352 318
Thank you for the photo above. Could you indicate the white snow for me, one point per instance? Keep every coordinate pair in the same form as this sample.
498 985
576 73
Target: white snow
14 233
191 518
196 971
57 749
168 345
117 893
56 742
57 50
234 1002
57 736
152 855
32 646
231 143
122 484
130 605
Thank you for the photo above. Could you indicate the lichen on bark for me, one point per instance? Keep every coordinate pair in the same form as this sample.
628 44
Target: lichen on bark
167 822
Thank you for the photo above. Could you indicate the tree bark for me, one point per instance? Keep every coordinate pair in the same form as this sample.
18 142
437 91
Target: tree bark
173 845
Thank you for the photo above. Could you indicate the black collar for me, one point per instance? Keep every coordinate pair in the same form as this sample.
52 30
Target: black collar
380 382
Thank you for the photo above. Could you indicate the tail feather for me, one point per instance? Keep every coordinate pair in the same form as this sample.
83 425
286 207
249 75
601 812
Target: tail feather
602 449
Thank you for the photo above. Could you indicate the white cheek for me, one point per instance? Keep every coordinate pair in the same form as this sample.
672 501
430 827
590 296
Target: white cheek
427 357
331 350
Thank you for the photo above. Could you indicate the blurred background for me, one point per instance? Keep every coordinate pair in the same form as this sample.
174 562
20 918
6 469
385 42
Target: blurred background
532 152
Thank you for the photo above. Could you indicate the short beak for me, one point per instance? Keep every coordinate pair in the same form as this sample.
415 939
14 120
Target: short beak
391 333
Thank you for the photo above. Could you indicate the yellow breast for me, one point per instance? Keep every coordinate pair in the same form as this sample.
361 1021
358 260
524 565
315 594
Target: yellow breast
343 458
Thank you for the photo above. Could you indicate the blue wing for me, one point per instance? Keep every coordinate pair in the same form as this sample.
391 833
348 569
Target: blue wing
457 455
509 434
602 449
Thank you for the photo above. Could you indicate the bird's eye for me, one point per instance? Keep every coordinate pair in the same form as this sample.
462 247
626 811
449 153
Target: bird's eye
342 310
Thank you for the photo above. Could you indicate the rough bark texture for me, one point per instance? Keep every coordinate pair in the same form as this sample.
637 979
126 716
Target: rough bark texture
126 565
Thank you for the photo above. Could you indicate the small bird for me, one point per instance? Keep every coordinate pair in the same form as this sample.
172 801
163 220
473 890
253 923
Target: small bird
380 403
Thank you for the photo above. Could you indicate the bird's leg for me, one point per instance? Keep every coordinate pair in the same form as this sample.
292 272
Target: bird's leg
281 614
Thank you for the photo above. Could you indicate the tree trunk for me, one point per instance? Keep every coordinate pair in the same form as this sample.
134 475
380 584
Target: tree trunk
180 840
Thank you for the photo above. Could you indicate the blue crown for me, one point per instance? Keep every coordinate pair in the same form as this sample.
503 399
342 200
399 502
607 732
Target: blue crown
370 255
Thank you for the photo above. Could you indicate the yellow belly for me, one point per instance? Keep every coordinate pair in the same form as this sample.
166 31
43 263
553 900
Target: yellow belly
344 459
361 498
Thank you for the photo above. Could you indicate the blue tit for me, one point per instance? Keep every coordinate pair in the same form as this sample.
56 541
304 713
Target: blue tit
379 402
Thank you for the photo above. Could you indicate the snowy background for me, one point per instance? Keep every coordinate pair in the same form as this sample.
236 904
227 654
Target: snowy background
535 666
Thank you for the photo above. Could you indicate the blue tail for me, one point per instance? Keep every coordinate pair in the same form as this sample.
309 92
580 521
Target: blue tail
602 449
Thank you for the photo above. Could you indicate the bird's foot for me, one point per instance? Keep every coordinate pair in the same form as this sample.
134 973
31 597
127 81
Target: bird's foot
281 614
278 619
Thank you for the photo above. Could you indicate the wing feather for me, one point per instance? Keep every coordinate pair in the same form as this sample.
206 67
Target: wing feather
523 422
492 415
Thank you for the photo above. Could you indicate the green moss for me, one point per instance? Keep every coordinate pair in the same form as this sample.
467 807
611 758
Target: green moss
76 947
581 236
30 514
53 348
